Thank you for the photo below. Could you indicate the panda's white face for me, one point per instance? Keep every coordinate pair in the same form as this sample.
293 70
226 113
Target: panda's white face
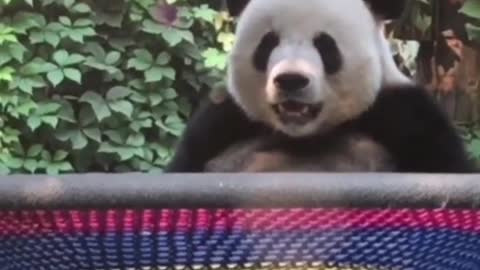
305 66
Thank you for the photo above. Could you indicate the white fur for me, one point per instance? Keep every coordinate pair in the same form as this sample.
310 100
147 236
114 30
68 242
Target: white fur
367 61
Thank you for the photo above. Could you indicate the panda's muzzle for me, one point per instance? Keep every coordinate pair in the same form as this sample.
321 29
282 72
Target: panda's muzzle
291 104
297 112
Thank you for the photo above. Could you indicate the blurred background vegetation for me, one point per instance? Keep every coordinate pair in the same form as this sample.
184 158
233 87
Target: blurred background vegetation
107 86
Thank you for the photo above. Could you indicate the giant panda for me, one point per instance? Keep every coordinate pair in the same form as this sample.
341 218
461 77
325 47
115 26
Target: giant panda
312 86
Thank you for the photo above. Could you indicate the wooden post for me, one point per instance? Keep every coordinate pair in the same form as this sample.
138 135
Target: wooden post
449 65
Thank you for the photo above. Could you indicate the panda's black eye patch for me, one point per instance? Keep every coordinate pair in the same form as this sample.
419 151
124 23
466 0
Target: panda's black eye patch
329 51
264 50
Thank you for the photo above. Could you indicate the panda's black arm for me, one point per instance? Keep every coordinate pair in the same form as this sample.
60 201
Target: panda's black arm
212 128
414 128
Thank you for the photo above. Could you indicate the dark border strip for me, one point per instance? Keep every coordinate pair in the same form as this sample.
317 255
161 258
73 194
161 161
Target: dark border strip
106 191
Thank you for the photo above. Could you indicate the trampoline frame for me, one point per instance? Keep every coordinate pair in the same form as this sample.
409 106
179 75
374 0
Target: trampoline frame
230 221
175 191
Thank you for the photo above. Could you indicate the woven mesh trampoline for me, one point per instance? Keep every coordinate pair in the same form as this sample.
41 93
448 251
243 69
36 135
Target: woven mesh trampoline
297 221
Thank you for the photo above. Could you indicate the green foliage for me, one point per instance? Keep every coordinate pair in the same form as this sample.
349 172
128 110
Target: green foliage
471 9
417 20
103 86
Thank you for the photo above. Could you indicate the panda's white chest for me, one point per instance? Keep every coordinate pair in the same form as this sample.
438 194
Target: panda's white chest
350 153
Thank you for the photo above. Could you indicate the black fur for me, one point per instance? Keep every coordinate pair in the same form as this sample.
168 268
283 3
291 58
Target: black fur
416 131
212 129
405 120
235 7
330 53
387 9
264 50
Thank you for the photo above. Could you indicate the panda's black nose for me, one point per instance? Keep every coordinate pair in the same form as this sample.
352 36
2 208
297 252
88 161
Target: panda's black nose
291 81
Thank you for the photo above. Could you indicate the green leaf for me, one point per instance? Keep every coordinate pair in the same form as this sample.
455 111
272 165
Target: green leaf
152 27
136 140
6 74
14 163
47 108
52 38
474 148
98 104
60 155
73 74
76 137
83 22
473 31
34 122
215 59
31 165
55 77
27 84
122 106
37 66
5 57
115 136
57 167
68 3
79 141
50 120
227 40
87 116
155 98
66 112
74 59
17 51
118 92
205 13
112 58
163 59
172 36
93 133
125 153
471 8
34 150
26 108
173 124
111 19
61 57
157 73
154 74
81 8
169 94
65 20
142 61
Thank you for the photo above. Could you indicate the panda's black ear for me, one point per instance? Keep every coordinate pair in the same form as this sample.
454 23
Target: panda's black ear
235 7
387 9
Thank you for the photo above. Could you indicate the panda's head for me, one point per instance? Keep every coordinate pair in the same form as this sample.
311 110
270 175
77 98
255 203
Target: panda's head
306 66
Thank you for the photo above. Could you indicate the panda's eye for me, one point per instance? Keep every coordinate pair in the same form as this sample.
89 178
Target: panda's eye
264 50
329 51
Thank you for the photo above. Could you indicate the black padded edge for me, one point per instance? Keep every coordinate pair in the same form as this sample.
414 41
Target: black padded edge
239 190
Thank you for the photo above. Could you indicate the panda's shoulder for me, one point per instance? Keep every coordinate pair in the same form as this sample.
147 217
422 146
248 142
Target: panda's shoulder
415 94
405 103
404 113
223 116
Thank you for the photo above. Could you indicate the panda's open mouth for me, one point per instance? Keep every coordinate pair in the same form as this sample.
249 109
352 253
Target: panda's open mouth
296 112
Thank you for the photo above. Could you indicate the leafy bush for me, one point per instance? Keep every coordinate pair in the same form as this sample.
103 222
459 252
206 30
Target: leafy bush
103 85
107 86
